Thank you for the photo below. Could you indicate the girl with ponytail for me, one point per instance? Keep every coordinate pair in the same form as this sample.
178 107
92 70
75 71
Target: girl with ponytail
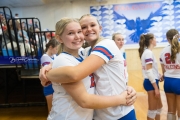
46 59
151 76
170 62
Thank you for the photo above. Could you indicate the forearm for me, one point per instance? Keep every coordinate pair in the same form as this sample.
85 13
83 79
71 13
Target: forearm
155 86
75 73
79 94
163 70
92 101
62 75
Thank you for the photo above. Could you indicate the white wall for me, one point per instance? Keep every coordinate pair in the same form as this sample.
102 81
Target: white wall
53 12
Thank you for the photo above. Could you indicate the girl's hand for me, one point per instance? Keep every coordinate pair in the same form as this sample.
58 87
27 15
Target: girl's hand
46 83
42 75
157 93
131 97
123 99
161 77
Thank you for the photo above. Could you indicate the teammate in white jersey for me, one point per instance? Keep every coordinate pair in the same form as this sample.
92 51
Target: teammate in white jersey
46 59
107 63
119 40
71 99
170 61
151 75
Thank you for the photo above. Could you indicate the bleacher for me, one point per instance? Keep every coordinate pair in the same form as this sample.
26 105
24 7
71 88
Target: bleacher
25 65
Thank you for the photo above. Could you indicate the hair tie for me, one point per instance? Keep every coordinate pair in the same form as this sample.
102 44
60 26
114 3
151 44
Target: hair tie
145 33
176 36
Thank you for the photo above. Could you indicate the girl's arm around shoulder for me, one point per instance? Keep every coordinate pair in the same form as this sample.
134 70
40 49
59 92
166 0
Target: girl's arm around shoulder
76 73
91 101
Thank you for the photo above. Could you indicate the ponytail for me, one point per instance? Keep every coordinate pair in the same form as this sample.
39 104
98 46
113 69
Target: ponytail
175 47
144 42
172 36
141 45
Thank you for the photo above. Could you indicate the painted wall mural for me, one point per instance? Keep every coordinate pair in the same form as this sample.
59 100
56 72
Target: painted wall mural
133 19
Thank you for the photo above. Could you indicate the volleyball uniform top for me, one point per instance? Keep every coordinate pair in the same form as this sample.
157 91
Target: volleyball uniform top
172 69
110 78
63 105
46 59
147 58
125 64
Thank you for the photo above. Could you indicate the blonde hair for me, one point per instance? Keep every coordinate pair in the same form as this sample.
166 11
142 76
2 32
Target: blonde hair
144 42
60 27
114 35
173 37
89 15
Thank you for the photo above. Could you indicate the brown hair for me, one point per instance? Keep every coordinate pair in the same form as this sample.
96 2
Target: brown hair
60 27
173 37
144 42
53 43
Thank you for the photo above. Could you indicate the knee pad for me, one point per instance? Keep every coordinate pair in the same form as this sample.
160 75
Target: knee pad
152 114
171 116
159 111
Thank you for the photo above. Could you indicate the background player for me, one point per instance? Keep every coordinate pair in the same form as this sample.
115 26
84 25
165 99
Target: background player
151 75
46 59
119 40
170 61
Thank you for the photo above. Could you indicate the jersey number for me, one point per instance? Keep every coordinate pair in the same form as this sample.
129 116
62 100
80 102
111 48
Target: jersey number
168 59
93 84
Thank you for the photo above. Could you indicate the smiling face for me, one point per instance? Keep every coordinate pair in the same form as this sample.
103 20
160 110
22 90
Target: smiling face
72 37
90 28
119 40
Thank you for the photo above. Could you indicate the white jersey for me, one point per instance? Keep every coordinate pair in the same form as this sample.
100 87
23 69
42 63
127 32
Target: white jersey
46 59
110 78
147 58
171 69
125 64
63 105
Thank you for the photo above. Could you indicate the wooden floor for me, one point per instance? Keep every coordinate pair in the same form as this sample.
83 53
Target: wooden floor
40 112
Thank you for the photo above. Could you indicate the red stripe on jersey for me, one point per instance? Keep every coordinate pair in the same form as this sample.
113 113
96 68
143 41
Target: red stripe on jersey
104 51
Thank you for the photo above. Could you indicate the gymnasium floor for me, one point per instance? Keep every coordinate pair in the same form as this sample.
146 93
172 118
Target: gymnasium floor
40 112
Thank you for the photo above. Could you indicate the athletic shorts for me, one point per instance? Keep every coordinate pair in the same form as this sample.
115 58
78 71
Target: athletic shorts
148 85
130 116
172 85
48 90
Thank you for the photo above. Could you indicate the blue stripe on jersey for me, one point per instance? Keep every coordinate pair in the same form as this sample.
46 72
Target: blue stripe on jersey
80 59
104 51
52 57
89 51
81 53
148 60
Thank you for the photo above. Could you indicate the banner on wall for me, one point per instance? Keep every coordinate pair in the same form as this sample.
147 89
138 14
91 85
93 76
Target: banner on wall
132 20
